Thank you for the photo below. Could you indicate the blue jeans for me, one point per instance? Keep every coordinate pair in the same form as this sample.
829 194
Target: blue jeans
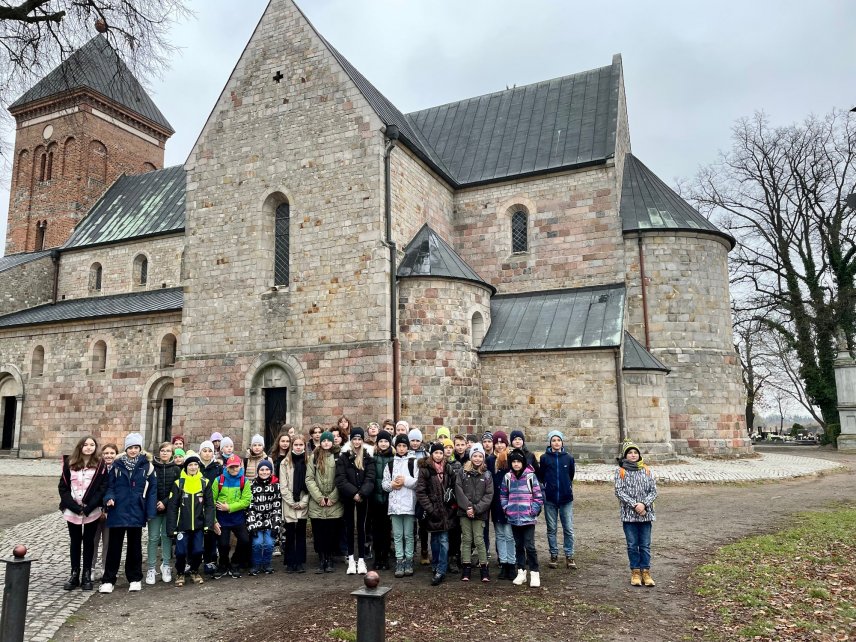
440 551
262 548
638 536
504 543
565 512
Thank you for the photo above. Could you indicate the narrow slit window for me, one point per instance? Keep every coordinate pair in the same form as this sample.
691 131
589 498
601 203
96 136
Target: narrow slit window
283 218
519 232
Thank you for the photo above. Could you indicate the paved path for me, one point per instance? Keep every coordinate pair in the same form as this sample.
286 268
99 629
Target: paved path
46 536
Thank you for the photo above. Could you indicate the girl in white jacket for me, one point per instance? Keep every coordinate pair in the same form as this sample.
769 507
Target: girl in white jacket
399 479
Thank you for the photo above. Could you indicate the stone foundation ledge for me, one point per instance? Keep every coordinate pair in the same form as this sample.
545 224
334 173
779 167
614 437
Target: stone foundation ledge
738 447
766 466
847 443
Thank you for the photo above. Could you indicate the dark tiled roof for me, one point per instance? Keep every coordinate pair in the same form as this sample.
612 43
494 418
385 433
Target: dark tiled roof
636 357
556 124
14 260
647 203
96 65
165 300
581 318
428 254
135 206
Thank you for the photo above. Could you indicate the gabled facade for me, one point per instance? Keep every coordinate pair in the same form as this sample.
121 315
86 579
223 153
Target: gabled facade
503 262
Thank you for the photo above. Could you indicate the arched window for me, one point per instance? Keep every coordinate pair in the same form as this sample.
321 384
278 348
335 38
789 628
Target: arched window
49 169
283 218
97 161
148 167
168 351
38 364
95 277
99 357
69 158
41 231
477 329
141 270
519 231
43 165
23 167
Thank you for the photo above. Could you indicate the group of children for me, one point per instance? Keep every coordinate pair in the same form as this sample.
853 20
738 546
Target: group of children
366 493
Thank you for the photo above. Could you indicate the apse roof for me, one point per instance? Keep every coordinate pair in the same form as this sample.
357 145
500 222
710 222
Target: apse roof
636 357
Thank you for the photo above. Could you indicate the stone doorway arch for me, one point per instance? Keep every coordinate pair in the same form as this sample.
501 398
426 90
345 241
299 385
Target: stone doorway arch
157 411
273 380
11 408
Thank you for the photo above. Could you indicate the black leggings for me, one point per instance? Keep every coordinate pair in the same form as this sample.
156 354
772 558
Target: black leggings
82 535
240 557
326 533
294 544
381 530
133 556
361 510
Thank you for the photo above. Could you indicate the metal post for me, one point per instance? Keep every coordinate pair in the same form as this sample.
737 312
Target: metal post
17 586
371 609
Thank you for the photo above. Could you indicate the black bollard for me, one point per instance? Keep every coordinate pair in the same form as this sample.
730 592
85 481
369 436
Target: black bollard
15 590
371 609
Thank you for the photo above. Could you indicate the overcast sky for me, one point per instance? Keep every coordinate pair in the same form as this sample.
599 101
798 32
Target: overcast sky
690 69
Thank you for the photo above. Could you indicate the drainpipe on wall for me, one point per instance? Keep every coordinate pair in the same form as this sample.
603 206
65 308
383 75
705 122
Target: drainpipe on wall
619 385
392 134
644 293
55 259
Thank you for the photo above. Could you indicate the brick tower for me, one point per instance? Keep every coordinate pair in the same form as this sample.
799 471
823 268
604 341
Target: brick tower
82 126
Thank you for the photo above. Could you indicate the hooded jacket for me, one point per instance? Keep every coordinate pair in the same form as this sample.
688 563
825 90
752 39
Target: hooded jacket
190 505
265 512
322 485
291 510
381 462
403 500
212 471
474 489
497 515
430 492
350 480
557 476
167 474
633 487
134 493
227 490
521 497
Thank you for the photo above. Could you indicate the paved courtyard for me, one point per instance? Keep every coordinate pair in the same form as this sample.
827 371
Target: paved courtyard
46 536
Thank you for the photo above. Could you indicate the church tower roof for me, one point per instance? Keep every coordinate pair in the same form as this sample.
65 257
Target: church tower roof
428 254
97 67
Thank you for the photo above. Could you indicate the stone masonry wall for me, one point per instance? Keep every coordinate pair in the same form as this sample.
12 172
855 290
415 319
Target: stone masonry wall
647 411
418 197
574 231
80 173
164 267
27 285
439 364
69 401
689 322
538 392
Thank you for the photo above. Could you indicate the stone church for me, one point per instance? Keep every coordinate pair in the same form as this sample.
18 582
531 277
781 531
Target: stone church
500 262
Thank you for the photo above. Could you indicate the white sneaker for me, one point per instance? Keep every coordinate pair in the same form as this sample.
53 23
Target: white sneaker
151 576
166 574
352 566
361 567
520 580
105 588
135 586
534 579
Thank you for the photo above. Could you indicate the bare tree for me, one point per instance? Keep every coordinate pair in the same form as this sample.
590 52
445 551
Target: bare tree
781 192
748 333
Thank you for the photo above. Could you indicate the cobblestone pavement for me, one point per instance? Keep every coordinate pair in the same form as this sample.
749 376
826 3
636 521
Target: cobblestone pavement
46 536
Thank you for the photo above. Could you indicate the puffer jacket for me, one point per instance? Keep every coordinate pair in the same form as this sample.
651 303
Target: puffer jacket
381 461
323 485
212 471
291 510
497 515
474 489
350 480
134 493
265 512
227 490
521 505
430 493
633 487
403 500
167 474
557 476
190 506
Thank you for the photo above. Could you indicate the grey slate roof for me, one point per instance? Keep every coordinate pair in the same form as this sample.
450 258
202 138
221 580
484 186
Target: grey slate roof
165 300
647 203
135 206
574 319
14 260
428 254
96 65
636 357
551 125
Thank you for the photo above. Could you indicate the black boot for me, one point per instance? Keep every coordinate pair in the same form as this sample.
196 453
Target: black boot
73 580
466 570
502 572
510 571
86 580
329 567
322 564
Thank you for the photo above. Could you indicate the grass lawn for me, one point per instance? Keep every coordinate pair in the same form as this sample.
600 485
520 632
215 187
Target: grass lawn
795 584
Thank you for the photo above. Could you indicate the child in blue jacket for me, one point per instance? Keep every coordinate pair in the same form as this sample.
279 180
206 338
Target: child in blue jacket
556 474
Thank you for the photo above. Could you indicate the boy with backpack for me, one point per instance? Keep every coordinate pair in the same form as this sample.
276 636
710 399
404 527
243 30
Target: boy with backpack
399 480
189 517
232 497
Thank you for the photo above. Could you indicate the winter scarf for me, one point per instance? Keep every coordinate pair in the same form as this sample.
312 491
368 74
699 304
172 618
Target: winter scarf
299 482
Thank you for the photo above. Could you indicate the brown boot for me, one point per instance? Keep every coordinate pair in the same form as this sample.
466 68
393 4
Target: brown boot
647 580
636 577
570 563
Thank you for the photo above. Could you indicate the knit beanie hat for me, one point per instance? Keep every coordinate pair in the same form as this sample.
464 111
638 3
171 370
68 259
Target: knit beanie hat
257 439
435 447
401 422
176 438
264 463
517 455
234 460
206 444
226 441
384 434
326 435
447 443
554 433
517 433
178 452
402 439
415 434
215 436
189 458
443 432
476 448
358 432
629 445
499 437
487 435
133 439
